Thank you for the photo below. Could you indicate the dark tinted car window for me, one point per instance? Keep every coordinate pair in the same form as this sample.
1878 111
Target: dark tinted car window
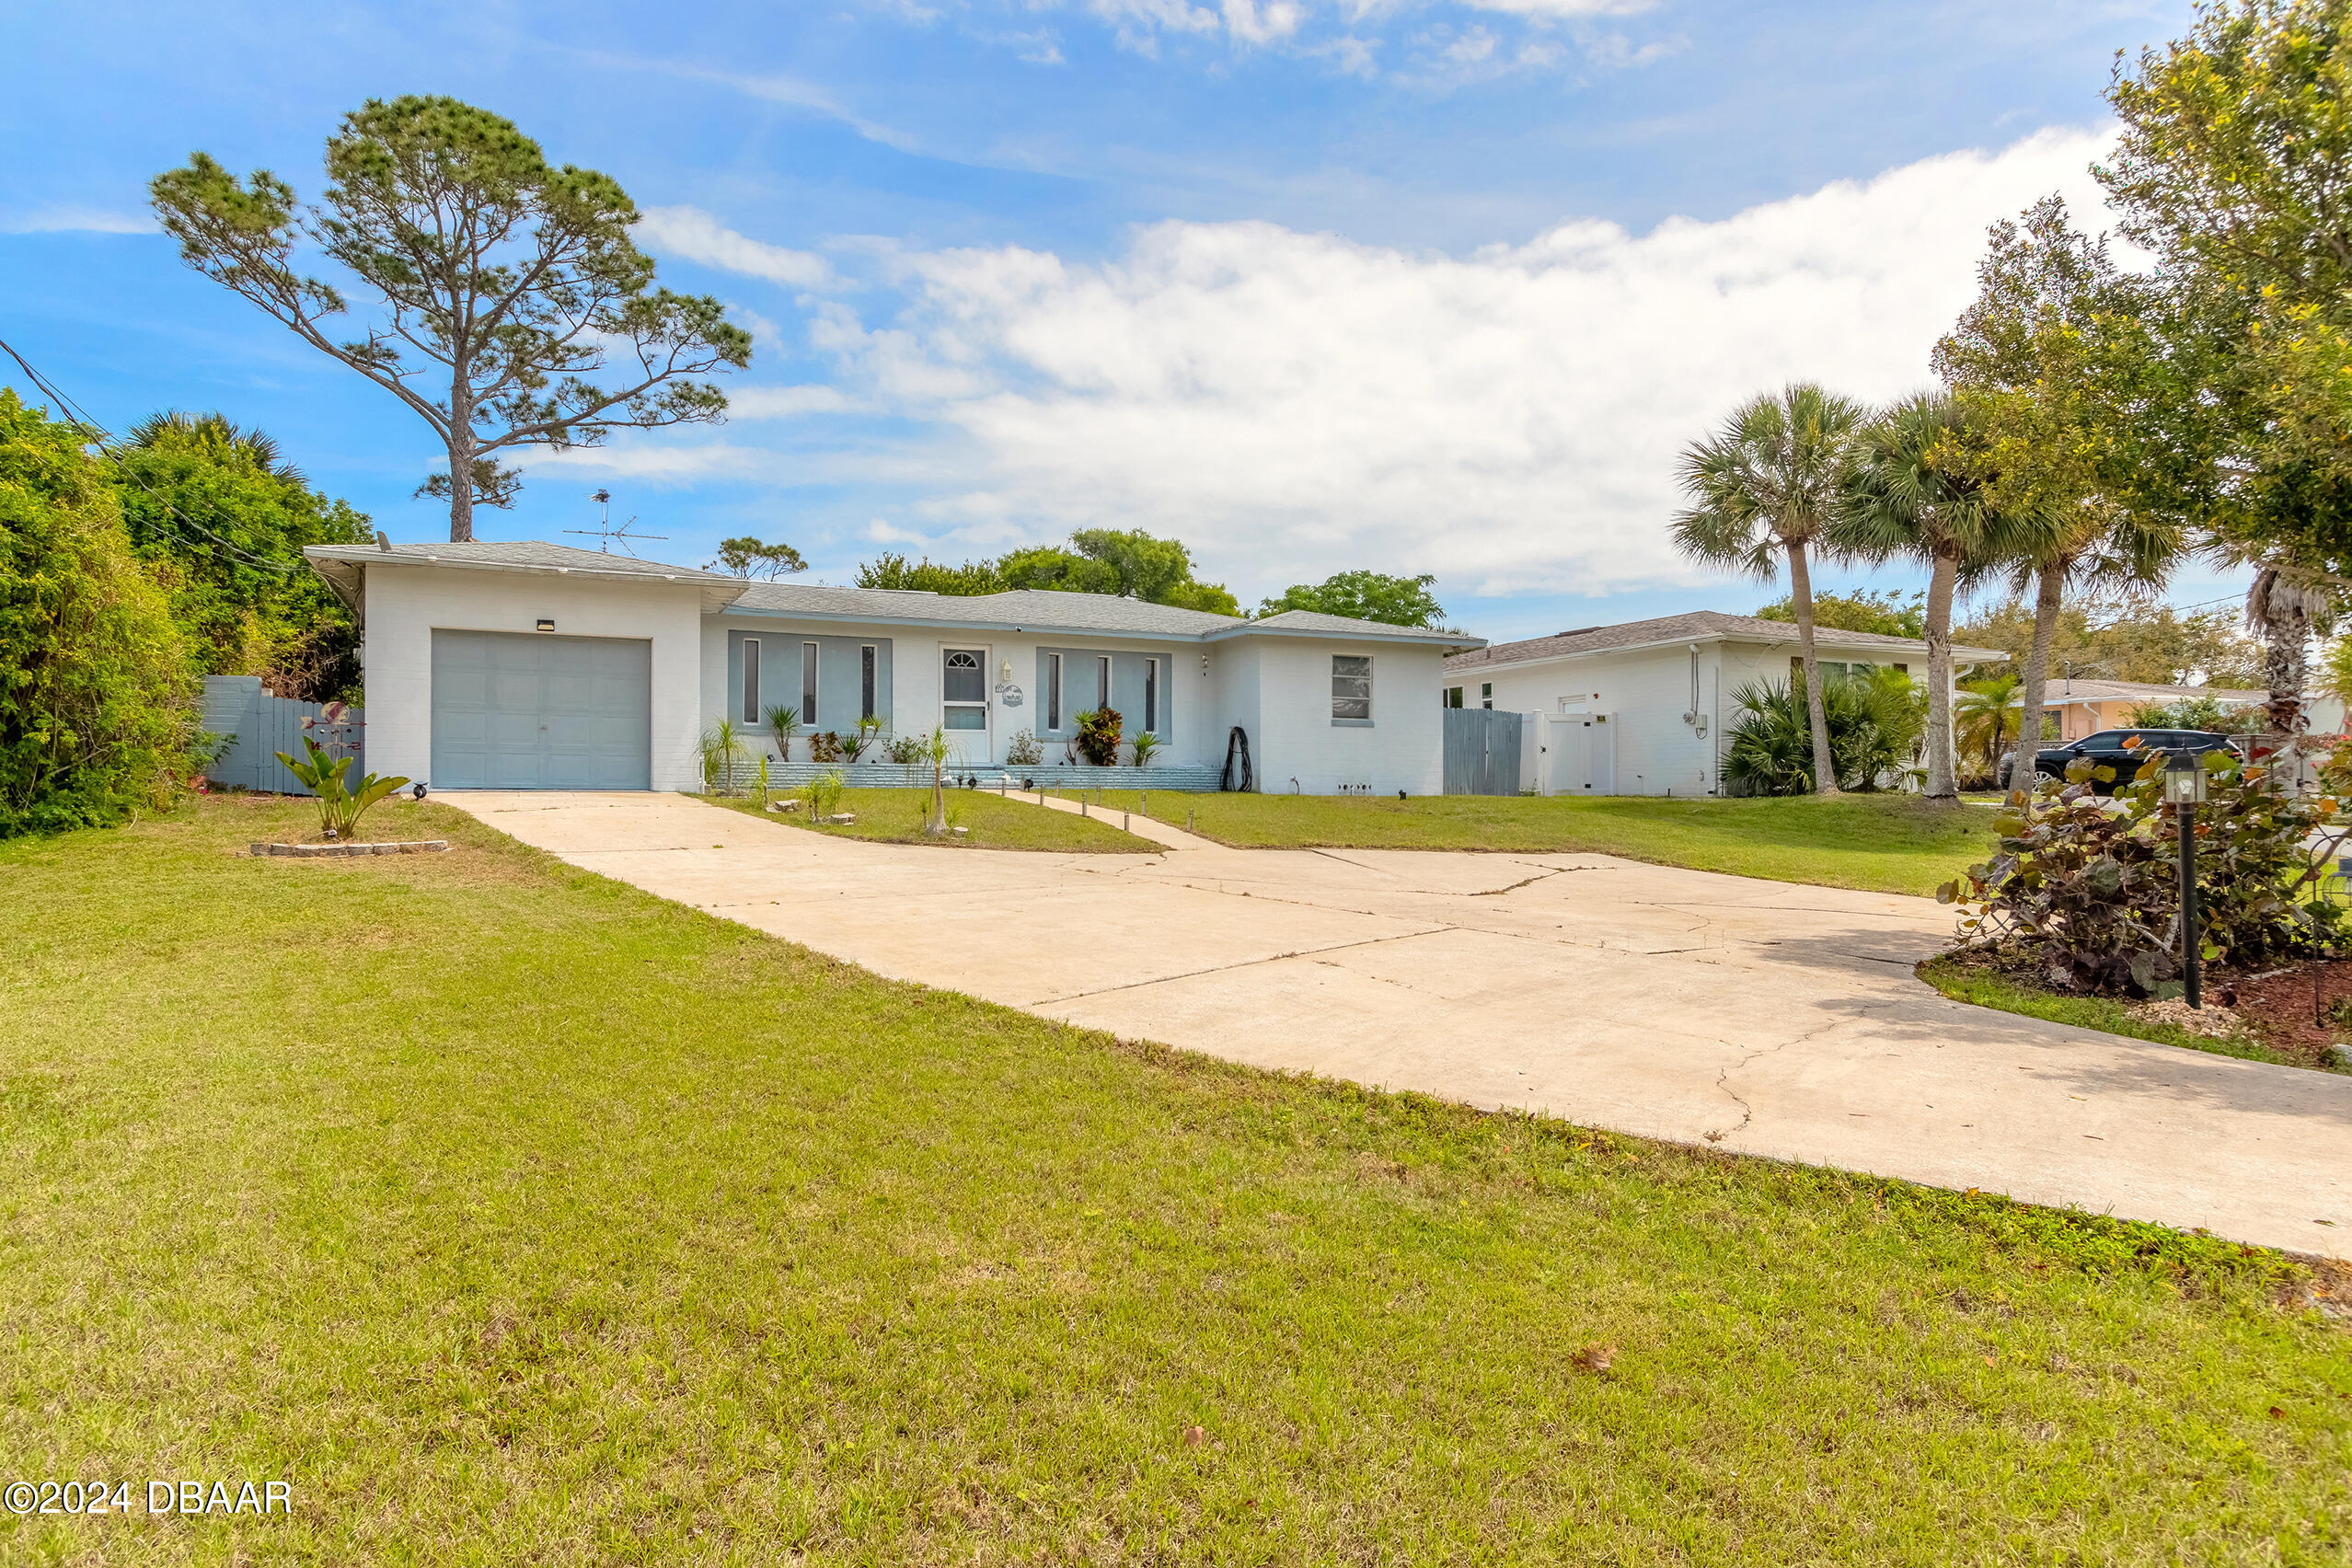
2107 739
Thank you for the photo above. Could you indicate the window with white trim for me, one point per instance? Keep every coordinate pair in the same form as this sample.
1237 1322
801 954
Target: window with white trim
868 668
1487 693
750 680
963 692
1351 689
1453 697
1053 691
1102 682
808 685
1151 696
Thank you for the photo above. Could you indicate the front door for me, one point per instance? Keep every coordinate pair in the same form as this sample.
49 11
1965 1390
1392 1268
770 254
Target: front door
964 700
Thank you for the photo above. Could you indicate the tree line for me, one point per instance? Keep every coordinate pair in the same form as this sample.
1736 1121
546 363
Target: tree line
2094 427
128 571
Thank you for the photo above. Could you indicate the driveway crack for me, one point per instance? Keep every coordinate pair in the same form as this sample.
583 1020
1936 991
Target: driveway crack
1239 964
1723 1079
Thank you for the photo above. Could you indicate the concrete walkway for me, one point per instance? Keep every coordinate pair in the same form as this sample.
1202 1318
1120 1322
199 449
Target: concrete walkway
1759 1017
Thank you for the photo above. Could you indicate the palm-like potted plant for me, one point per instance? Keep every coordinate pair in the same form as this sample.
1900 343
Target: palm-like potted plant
339 809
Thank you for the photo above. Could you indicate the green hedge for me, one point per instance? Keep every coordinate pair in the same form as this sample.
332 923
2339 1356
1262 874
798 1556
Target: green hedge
97 690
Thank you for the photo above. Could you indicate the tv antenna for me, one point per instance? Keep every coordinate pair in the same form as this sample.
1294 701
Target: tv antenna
609 535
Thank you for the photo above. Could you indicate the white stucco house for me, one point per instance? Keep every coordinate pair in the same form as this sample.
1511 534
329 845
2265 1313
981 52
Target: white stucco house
531 665
1641 707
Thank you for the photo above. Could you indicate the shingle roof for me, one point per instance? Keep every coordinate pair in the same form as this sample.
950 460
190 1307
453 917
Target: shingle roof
528 553
1029 609
1691 627
2079 690
1049 610
1024 609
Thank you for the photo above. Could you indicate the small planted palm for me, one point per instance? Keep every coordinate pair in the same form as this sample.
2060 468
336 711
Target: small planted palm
339 808
786 721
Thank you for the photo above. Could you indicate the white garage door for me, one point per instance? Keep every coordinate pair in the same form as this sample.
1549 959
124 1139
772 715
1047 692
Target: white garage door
520 711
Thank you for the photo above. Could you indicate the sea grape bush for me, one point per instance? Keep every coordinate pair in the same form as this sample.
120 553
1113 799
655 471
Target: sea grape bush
2088 892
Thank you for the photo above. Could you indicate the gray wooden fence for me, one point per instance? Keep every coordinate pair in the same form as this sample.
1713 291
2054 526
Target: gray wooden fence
258 727
1482 752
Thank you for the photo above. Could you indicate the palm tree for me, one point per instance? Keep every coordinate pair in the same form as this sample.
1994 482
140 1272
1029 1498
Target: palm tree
220 436
2284 605
1766 485
1983 713
2096 542
1916 488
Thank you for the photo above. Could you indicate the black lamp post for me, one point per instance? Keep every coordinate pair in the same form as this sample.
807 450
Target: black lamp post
2183 790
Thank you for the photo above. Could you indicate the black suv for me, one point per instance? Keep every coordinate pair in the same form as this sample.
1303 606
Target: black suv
2125 750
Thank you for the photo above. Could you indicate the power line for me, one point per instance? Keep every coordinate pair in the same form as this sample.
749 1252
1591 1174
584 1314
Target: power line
98 437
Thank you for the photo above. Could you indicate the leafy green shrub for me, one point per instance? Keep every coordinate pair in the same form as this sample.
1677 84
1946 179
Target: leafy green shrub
2197 713
1098 736
1143 745
906 750
97 696
1875 722
1024 749
825 746
2089 894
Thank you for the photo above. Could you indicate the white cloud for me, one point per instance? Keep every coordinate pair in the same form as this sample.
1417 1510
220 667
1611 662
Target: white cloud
764 333
696 236
1294 403
784 402
1562 10
75 220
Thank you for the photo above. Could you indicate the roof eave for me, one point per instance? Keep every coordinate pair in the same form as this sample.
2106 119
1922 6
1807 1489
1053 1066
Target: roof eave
1973 655
1402 634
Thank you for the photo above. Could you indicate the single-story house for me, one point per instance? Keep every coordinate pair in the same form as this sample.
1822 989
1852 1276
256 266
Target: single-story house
2086 706
1643 708
532 665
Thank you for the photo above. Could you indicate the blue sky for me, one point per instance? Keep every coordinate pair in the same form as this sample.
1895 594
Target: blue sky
1413 286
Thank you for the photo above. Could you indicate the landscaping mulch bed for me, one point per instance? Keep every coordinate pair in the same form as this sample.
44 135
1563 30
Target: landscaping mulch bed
2281 1010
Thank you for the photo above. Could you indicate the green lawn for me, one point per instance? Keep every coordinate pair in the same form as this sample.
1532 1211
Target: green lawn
1879 843
513 1215
895 816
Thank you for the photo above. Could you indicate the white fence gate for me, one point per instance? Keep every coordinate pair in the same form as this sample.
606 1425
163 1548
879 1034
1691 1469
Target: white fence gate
1570 754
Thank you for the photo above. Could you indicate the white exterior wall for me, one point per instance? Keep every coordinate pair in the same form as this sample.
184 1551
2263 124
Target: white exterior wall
1644 692
406 602
1295 736
915 679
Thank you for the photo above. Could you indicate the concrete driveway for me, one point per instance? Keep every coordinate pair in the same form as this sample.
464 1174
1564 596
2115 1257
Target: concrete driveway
1759 1017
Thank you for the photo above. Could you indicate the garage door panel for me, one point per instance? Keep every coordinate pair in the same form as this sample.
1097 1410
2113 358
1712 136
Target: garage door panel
525 712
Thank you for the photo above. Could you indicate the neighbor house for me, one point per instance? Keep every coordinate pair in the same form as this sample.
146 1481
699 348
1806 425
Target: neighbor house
2085 707
539 666
1643 709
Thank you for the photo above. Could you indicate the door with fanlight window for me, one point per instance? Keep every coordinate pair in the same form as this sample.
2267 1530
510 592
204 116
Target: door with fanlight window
964 697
